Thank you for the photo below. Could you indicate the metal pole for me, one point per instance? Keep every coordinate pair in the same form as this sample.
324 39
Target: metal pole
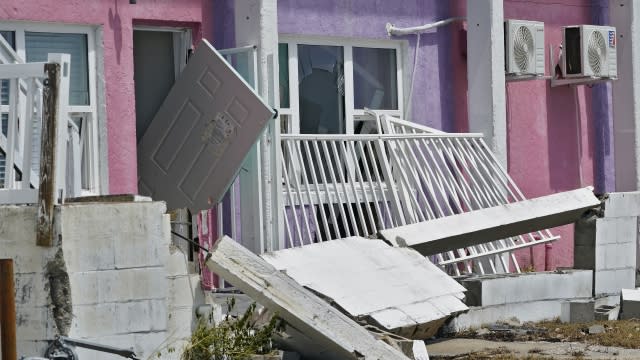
7 311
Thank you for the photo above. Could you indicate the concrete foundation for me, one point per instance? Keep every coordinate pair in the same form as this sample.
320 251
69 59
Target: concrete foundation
527 297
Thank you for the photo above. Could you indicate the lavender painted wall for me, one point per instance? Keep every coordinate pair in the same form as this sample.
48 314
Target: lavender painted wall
116 18
366 19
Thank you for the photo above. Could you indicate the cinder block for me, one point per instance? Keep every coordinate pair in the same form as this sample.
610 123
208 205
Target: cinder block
96 320
85 287
630 304
32 290
133 317
29 348
612 281
620 204
577 311
159 315
34 323
122 235
132 284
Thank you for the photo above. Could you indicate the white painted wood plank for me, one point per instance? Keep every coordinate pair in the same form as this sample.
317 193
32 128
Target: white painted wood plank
22 71
396 287
499 222
15 196
301 309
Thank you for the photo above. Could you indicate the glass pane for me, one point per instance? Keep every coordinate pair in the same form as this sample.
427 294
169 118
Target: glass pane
374 78
321 89
39 45
283 63
10 37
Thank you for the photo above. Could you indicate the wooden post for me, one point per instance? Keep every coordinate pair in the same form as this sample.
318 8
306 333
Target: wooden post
7 311
46 192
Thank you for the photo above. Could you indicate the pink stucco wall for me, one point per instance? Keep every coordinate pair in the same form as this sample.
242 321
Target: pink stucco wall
550 130
116 18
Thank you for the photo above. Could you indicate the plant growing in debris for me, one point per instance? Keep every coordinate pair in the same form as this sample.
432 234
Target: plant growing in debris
231 338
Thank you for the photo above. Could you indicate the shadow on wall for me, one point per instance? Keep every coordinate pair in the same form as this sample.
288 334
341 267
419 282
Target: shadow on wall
562 140
116 25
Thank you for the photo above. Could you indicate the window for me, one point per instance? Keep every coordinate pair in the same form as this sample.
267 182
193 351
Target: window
33 42
325 86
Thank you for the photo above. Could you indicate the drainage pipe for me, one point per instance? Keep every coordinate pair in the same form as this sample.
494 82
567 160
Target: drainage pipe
396 31
7 311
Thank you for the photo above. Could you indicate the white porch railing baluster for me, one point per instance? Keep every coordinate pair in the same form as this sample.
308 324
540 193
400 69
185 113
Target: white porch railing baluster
335 186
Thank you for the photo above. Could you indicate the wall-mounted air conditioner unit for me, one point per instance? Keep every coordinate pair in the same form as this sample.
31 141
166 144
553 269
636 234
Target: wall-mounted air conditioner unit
589 51
524 47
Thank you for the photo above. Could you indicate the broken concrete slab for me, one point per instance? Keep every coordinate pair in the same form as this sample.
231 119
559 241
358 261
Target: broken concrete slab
499 222
335 336
394 288
414 349
630 304
607 312
577 311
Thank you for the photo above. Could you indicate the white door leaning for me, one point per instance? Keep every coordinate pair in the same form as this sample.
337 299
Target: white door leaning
197 141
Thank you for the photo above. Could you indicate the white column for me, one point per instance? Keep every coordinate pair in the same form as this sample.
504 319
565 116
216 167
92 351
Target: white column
256 23
625 16
485 74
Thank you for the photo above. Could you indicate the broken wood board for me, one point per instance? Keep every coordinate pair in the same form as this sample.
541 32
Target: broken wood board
394 288
338 336
485 225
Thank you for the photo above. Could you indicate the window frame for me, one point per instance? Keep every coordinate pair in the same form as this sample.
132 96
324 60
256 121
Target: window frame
94 120
351 113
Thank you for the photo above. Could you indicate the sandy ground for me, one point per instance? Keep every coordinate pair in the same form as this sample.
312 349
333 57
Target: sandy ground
454 348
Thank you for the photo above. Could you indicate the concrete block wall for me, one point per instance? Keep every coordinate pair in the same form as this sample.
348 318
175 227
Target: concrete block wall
130 286
608 244
123 283
34 313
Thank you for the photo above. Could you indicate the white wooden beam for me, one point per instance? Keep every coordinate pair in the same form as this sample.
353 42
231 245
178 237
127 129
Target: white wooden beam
625 16
324 324
482 226
485 74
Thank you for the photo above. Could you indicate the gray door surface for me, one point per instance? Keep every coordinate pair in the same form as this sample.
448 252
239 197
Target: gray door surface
194 146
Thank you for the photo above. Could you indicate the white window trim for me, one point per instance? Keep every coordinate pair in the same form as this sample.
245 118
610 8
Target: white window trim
19 28
351 114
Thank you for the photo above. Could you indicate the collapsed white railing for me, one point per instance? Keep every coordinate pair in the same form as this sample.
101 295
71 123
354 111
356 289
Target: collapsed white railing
335 186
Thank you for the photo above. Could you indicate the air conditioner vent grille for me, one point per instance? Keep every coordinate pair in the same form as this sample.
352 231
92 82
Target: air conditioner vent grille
523 48
597 52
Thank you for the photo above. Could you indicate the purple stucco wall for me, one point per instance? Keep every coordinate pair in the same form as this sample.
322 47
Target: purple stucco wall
366 19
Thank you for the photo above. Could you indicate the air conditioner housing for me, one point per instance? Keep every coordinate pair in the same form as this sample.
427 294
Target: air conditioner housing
589 51
524 47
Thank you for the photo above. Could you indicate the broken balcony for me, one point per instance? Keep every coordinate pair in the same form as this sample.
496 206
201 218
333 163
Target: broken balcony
337 186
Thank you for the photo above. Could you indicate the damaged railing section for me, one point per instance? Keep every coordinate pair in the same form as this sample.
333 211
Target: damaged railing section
336 186
21 108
